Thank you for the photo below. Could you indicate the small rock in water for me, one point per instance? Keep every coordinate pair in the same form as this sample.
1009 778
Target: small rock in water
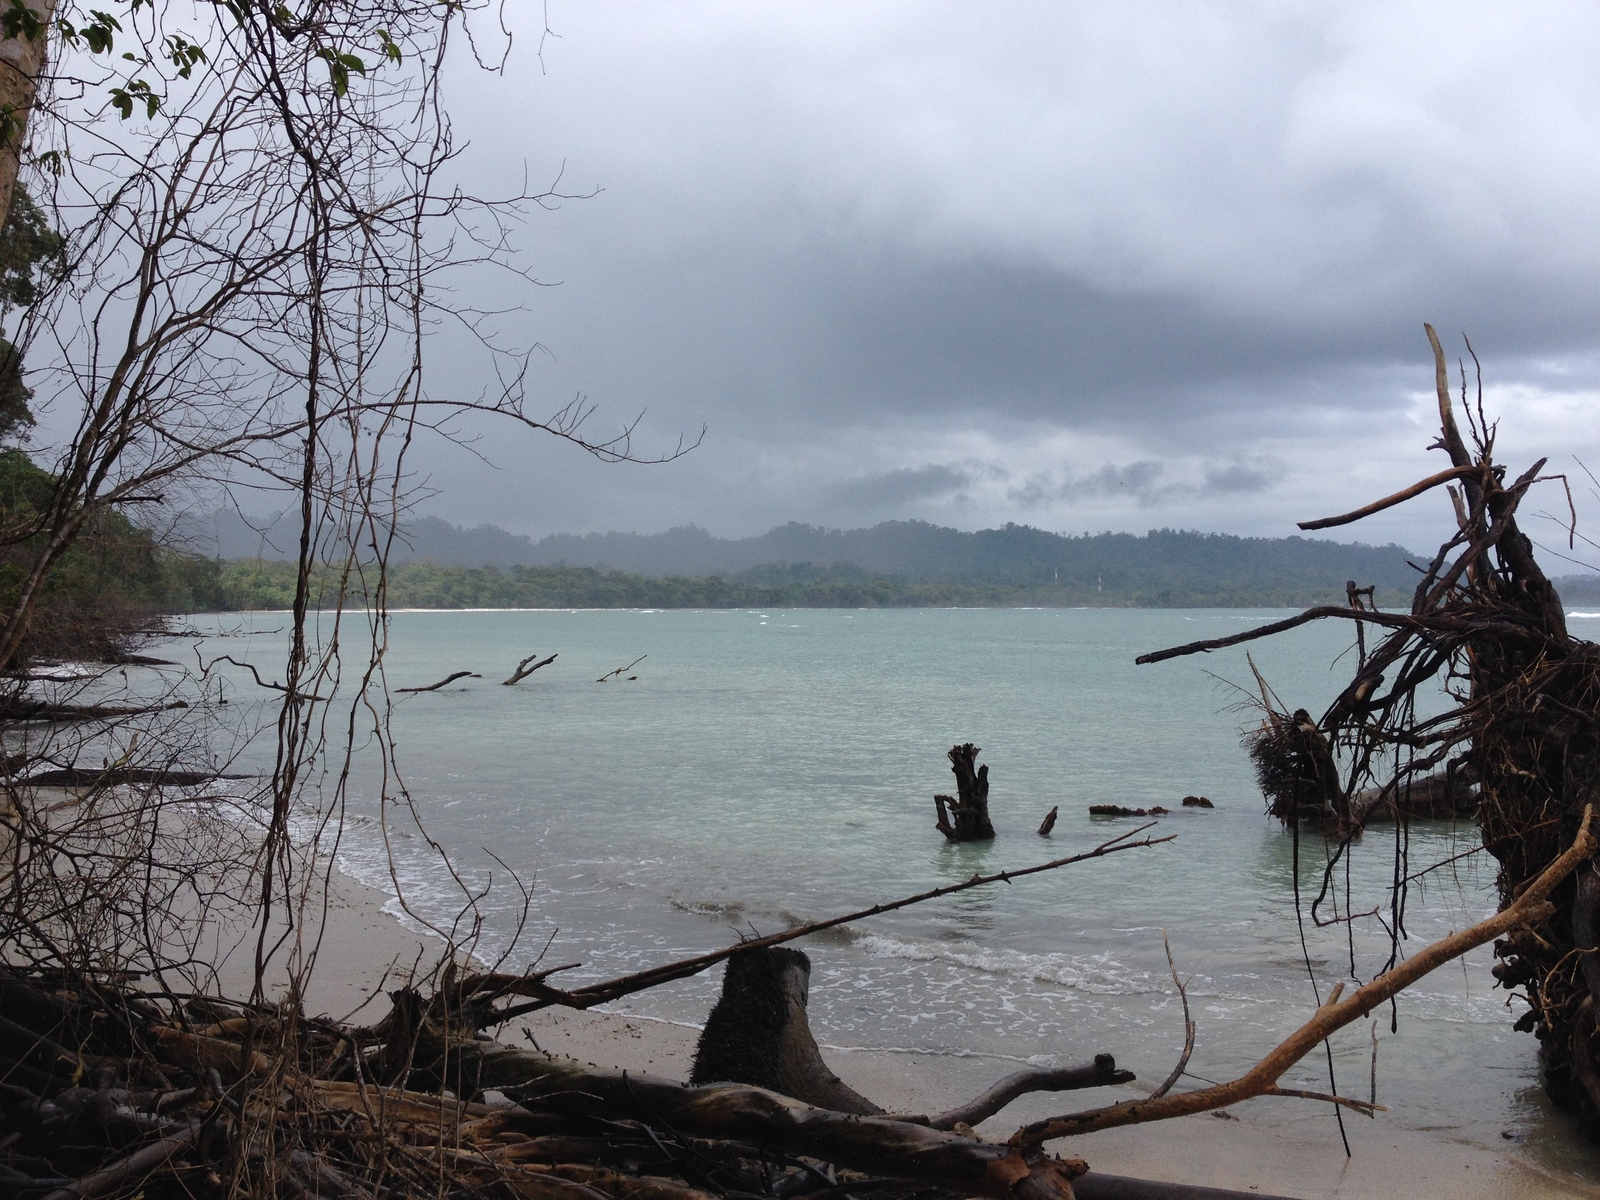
1197 802
1116 810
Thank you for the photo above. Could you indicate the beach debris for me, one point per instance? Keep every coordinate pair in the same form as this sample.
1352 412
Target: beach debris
1532 904
527 667
1049 821
1197 802
473 991
620 672
115 1086
964 817
759 1034
1117 810
434 687
1519 747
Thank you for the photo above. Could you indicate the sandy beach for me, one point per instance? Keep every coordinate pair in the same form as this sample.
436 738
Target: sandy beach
364 950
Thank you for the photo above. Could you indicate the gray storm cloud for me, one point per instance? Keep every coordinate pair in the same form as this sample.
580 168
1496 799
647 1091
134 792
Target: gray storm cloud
858 242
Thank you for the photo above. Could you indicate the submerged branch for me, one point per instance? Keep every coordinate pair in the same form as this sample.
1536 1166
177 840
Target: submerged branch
601 993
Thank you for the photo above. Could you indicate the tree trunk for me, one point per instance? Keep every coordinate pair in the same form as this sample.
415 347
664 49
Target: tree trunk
965 817
21 61
758 1034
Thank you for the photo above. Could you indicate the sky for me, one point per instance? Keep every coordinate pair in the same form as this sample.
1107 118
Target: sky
1079 266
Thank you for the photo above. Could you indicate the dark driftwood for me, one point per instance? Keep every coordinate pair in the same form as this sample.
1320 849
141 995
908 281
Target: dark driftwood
134 1166
1102 1072
965 817
109 776
882 1145
759 1034
1049 821
524 669
1440 796
619 672
434 687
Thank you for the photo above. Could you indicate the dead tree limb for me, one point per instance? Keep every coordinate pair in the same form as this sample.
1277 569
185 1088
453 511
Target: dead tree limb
524 670
881 1145
135 1166
1188 1025
619 672
1400 497
1532 906
434 687
1102 1072
487 987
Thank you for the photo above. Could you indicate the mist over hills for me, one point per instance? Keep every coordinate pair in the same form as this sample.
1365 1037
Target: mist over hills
1012 556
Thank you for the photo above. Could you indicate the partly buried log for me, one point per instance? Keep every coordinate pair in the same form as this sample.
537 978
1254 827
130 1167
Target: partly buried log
759 1034
1437 797
965 816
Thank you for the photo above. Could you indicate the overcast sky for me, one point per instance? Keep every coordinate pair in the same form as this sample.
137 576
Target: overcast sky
1081 266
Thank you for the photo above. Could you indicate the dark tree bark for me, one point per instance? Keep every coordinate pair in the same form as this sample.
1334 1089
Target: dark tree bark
758 1034
965 817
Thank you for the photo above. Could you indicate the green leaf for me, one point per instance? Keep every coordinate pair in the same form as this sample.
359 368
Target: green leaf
137 90
20 21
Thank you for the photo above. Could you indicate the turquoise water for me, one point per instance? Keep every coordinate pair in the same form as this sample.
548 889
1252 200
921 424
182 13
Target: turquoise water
771 767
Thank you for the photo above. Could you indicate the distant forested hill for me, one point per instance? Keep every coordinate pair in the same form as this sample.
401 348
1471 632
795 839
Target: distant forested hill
895 563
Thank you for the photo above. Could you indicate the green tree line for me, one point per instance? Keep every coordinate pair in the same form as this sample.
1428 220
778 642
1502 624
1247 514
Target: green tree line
263 584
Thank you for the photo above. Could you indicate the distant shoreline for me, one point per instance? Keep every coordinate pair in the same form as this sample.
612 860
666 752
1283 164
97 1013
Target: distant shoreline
264 585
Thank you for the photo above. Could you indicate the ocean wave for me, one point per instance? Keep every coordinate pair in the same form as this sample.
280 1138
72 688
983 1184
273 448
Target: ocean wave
1099 974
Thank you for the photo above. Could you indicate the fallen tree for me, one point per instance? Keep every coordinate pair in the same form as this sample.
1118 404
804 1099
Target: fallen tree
1518 744
110 1087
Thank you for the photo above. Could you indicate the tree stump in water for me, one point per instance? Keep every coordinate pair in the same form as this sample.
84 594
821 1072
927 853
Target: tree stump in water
965 817
758 1034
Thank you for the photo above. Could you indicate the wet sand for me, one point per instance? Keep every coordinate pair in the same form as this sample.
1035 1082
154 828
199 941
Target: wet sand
364 950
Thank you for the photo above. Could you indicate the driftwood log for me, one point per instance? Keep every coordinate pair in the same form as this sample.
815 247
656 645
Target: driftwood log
965 816
448 679
527 667
759 1034
110 1090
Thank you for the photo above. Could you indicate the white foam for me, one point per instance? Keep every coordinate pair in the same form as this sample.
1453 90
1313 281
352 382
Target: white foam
1099 974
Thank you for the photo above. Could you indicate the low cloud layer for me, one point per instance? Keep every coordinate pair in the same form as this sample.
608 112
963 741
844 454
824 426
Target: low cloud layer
1128 265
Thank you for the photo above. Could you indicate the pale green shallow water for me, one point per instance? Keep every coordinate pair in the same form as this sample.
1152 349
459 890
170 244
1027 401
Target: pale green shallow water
773 766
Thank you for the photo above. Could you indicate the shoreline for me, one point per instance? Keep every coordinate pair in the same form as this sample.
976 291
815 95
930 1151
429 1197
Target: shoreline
1296 1154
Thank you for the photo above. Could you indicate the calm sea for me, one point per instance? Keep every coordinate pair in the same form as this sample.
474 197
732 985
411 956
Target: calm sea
768 767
